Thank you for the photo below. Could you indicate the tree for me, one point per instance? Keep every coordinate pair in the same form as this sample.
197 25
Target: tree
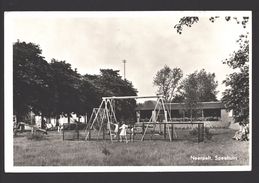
236 96
112 84
207 86
198 87
178 98
67 85
190 93
90 94
167 81
53 89
31 79
189 21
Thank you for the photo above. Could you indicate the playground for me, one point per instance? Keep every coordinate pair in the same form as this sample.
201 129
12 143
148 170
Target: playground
52 150
150 143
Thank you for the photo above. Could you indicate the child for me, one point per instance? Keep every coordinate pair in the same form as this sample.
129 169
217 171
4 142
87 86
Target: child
132 133
123 132
116 130
59 127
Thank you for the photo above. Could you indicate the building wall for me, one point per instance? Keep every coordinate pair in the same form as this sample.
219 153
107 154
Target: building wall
223 121
224 115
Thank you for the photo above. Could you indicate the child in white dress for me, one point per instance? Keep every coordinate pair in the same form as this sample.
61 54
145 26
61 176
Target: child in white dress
116 130
123 132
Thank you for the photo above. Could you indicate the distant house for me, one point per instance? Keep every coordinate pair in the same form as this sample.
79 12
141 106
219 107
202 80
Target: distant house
214 112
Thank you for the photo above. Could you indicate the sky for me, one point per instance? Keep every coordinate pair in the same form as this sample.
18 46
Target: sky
91 41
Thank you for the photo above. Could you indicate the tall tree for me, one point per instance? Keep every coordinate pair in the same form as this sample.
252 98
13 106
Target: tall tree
207 86
198 87
167 81
67 81
236 96
53 89
190 93
112 84
31 79
90 94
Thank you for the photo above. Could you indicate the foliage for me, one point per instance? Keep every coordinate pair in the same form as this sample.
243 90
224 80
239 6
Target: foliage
178 98
31 79
67 84
190 92
187 21
198 87
113 85
53 89
208 135
190 20
167 80
236 96
36 136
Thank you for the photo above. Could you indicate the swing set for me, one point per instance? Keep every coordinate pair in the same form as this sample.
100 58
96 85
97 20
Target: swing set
105 115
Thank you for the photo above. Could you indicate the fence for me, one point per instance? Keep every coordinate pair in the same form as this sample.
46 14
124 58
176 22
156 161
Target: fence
74 131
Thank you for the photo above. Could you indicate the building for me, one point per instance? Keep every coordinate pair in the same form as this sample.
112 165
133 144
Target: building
212 113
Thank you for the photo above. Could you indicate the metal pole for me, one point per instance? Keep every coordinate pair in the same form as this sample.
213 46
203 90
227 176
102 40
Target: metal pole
199 132
143 129
162 101
94 119
203 131
132 97
149 122
89 134
112 110
77 132
108 120
164 130
103 134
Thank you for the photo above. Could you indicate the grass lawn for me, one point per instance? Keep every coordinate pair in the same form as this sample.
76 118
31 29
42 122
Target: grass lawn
53 151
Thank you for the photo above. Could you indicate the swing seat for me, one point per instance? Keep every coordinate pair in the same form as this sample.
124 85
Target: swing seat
157 134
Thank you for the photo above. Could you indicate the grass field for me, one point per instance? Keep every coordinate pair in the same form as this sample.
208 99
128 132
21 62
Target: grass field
53 151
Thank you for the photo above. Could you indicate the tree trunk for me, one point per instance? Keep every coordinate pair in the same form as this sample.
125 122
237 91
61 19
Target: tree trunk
57 121
85 118
18 118
49 118
42 121
68 118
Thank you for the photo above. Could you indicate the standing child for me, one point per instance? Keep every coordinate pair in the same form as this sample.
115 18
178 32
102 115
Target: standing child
123 132
116 130
132 134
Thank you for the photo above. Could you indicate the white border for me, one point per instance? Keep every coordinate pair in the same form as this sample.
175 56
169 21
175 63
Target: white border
8 94
57 169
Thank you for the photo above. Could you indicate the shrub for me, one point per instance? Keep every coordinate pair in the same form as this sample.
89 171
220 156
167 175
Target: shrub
36 136
106 151
194 131
207 133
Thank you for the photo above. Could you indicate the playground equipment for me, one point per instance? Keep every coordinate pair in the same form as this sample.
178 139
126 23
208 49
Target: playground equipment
20 127
106 114
74 131
99 117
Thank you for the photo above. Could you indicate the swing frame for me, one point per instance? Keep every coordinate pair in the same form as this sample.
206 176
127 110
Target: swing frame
109 113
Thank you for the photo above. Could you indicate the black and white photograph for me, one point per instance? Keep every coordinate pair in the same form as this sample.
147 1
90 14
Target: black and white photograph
124 91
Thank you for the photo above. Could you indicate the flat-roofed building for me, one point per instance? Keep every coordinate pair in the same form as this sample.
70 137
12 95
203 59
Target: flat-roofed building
214 112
